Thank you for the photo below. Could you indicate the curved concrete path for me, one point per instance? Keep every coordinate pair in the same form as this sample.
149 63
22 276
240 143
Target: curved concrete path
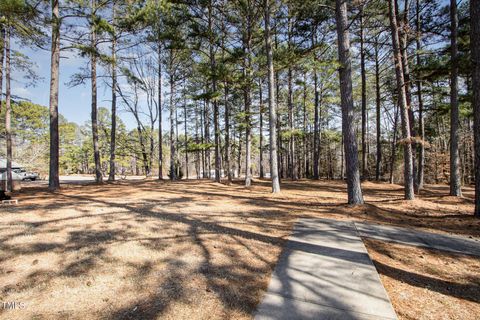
324 272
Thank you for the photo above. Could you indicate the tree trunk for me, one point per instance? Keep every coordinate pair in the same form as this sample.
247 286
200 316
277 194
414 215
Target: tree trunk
364 97
197 153
93 62
227 165
248 100
186 132
272 105
455 179
227 136
217 139
2 57
214 90
202 139
316 121
378 165
278 124
173 156
260 111
248 152
206 119
150 136
53 179
402 101
351 157
342 165
143 148
239 155
291 143
316 129
160 133
113 131
177 143
8 110
421 127
304 171
394 144
475 47
403 43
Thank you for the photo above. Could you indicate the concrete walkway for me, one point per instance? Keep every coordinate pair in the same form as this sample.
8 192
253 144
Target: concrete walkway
408 236
325 272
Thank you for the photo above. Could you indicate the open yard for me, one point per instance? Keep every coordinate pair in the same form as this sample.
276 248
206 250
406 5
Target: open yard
202 250
272 96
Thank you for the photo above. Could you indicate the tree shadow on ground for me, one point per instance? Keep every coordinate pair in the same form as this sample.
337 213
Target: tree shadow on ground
165 248
233 263
450 288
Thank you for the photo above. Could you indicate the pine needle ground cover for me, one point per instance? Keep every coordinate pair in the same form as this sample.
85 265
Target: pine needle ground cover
198 249
428 284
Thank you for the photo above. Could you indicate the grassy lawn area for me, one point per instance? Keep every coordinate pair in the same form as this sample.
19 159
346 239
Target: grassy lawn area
195 249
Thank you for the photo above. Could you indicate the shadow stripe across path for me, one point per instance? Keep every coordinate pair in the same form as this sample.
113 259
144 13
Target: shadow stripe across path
324 272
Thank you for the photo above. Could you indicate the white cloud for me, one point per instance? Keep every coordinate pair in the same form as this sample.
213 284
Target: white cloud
21 92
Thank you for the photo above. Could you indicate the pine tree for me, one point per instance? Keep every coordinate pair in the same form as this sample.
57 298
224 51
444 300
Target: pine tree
402 101
54 181
455 179
272 103
354 189
475 49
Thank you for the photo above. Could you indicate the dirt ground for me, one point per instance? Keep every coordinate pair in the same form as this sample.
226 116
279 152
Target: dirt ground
188 249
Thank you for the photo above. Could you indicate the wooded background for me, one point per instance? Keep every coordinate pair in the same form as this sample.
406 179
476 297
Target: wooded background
209 82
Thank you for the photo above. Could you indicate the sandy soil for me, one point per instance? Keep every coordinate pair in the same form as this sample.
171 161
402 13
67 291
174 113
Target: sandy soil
189 249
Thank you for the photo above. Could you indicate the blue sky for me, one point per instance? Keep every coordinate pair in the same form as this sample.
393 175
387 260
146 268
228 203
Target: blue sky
74 102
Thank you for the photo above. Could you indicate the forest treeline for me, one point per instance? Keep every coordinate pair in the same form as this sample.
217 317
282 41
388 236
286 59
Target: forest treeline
355 90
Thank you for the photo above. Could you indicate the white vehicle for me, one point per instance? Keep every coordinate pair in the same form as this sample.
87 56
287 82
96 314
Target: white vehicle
25 175
15 176
18 173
